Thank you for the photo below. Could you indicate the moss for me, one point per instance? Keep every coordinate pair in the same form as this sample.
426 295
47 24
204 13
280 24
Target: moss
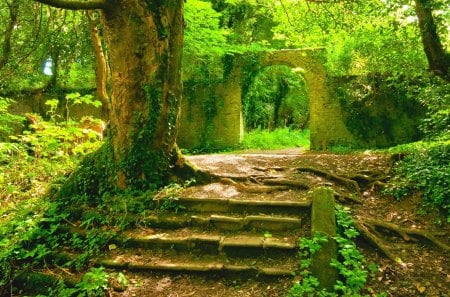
35 283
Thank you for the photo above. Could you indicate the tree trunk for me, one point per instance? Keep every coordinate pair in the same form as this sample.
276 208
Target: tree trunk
6 49
101 65
144 40
438 60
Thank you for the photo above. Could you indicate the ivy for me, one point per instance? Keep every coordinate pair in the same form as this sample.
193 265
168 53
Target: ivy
351 264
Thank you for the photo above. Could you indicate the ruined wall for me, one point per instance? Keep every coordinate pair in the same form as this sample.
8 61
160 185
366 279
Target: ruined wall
200 128
211 114
326 117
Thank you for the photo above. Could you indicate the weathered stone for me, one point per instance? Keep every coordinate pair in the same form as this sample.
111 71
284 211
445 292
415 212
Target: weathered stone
242 241
109 263
177 266
275 272
276 243
204 204
271 223
200 221
323 220
227 223
224 128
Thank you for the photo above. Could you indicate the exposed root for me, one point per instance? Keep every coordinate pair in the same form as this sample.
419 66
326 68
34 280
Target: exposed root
241 187
344 198
374 240
377 183
269 169
286 182
369 229
342 180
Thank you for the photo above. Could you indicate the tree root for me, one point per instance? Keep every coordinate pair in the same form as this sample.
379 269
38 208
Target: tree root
241 187
342 180
268 169
368 229
344 198
265 185
285 182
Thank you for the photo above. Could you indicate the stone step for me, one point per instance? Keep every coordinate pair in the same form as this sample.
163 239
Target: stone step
243 244
231 205
223 222
132 261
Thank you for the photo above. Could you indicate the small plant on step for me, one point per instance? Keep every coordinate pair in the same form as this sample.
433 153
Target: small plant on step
93 283
167 198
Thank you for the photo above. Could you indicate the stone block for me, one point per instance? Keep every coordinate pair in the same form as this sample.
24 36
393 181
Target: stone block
324 221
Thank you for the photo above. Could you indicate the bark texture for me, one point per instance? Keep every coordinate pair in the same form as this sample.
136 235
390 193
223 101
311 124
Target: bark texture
438 59
144 39
101 64
6 49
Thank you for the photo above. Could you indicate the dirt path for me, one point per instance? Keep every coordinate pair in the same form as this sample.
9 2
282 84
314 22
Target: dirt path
422 269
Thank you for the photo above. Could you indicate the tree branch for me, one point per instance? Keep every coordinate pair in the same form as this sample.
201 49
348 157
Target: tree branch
77 4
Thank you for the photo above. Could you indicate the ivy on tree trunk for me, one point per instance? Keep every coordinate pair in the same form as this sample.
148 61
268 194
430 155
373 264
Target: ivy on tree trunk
144 39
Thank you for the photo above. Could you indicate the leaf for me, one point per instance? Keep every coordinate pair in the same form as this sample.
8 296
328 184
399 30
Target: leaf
112 247
420 288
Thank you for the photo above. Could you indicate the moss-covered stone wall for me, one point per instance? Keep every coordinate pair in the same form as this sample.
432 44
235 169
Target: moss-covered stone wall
212 117
211 113
326 120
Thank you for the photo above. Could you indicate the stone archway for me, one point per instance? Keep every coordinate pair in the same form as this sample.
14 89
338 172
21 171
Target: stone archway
225 128
326 121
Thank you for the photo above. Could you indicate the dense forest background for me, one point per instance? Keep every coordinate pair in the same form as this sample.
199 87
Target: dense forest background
388 63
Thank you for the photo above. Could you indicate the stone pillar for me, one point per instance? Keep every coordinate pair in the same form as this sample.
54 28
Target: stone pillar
324 221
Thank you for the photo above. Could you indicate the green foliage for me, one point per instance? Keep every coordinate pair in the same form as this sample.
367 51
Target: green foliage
204 42
381 110
167 197
351 264
277 97
94 283
56 139
425 170
8 121
435 96
277 139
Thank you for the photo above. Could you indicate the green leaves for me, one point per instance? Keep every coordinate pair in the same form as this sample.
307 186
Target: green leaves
350 263
426 170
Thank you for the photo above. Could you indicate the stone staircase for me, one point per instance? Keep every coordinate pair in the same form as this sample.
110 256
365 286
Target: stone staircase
220 236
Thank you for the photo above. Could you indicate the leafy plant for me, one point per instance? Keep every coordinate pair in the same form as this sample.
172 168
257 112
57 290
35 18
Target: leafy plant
425 170
93 284
435 96
351 264
7 120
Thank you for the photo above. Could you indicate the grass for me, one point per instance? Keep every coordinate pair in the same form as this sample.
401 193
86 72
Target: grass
276 139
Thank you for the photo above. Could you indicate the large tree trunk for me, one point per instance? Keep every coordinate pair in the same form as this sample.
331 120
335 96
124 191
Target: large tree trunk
144 40
438 59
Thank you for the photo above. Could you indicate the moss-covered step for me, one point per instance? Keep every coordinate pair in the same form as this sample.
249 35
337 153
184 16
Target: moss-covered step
223 222
193 264
241 205
212 242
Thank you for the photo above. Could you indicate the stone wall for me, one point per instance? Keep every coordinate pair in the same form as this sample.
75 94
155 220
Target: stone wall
326 121
225 127
211 115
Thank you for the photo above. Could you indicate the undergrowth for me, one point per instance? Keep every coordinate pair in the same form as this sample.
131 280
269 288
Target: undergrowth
276 139
351 265
32 234
424 168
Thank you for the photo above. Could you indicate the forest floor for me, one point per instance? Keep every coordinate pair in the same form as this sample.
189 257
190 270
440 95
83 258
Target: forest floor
419 267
